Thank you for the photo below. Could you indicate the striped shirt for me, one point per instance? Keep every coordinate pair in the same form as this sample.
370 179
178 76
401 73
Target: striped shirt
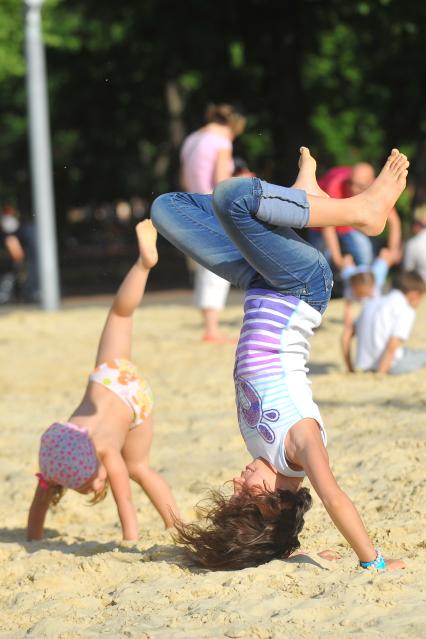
272 389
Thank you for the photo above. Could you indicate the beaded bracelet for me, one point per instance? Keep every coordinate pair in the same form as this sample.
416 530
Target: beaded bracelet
379 563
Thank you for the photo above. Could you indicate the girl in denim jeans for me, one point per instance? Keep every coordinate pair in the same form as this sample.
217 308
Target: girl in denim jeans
243 233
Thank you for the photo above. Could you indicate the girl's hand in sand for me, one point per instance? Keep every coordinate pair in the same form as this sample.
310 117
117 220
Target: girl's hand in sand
330 555
395 564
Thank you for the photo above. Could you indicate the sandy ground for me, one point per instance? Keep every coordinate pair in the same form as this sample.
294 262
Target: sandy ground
81 581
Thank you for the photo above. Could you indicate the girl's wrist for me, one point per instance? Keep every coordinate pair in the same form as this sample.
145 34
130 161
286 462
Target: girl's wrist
378 563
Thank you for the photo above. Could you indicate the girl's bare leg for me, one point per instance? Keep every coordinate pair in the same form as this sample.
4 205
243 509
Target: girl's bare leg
136 455
116 338
367 211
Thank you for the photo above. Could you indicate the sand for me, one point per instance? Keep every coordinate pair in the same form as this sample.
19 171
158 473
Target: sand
81 581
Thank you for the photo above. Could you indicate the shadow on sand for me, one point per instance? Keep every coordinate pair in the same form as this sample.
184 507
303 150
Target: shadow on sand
53 542
168 553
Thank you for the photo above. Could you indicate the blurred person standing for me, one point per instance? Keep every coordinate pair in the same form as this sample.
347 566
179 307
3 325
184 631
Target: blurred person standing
206 160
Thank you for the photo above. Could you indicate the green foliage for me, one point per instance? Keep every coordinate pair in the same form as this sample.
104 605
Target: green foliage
11 40
236 50
190 81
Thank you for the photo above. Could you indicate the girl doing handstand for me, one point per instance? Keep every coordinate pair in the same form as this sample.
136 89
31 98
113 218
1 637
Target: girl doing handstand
108 437
242 233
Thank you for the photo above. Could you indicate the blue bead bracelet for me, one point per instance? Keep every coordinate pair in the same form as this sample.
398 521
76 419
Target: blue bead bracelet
379 563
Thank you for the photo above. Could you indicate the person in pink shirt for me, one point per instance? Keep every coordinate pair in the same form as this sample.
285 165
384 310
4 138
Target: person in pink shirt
206 160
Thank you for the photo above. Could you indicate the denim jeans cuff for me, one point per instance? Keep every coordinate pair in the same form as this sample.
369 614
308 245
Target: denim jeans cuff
282 206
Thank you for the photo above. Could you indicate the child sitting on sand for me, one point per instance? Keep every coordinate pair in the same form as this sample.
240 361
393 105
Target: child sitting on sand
384 324
108 437
360 283
242 233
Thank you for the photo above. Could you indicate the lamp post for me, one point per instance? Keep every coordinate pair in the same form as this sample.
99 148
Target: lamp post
41 161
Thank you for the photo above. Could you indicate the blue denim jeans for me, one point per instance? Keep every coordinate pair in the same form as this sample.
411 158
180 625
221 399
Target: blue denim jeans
221 232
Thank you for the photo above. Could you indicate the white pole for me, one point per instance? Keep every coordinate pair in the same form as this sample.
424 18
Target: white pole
41 161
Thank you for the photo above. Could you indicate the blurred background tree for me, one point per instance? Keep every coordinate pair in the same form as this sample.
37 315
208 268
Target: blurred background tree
128 80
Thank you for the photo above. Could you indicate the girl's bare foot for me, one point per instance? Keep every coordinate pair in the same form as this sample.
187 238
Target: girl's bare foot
147 240
367 211
379 198
306 178
395 564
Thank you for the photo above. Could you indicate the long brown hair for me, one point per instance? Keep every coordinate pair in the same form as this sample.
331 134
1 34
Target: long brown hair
246 529
99 495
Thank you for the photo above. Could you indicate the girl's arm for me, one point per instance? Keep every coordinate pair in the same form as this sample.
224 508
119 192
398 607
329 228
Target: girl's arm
118 477
311 454
37 513
223 165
